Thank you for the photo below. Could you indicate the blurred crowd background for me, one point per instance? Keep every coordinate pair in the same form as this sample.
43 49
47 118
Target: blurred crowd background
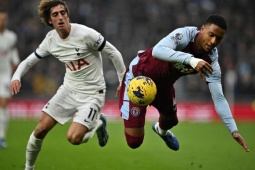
137 25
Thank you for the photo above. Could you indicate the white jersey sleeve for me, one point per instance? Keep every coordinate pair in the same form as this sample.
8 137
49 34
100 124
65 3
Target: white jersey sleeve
116 58
24 66
42 50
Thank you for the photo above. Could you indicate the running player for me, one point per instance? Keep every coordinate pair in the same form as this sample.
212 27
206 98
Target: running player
184 51
82 95
9 60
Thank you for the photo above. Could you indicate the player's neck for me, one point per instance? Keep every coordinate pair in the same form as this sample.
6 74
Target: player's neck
64 33
199 48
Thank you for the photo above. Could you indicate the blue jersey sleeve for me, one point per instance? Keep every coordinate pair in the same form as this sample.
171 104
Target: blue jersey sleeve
169 48
216 75
221 106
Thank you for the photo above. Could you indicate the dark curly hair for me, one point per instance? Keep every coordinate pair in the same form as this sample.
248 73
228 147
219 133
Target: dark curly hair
217 20
44 9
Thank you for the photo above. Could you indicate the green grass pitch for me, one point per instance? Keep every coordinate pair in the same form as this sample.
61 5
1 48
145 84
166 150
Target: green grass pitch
203 146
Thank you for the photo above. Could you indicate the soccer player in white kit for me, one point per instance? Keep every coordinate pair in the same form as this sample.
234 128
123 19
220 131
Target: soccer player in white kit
9 60
82 95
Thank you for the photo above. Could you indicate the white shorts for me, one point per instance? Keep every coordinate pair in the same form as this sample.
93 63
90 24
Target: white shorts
5 86
84 109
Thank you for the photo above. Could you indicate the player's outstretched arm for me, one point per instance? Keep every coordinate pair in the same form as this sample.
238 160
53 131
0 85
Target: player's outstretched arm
240 140
223 110
117 61
21 70
15 87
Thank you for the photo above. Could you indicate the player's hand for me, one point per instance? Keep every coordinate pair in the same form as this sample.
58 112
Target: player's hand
15 87
240 140
204 69
118 91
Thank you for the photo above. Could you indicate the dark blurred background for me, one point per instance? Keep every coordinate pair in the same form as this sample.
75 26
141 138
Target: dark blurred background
136 25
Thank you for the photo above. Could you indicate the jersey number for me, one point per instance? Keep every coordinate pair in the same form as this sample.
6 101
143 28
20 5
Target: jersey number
91 116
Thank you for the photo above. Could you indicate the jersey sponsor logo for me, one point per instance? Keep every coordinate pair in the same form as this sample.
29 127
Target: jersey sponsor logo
98 42
76 65
177 37
135 111
185 69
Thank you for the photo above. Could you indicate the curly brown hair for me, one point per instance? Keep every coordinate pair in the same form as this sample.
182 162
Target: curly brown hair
44 9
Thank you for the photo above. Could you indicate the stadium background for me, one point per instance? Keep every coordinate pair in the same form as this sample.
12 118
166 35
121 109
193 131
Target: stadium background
134 25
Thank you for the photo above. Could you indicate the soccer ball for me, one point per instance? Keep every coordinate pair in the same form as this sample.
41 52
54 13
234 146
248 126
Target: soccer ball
142 90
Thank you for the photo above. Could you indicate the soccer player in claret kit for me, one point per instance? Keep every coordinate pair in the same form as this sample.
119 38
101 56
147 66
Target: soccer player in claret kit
82 95
184 51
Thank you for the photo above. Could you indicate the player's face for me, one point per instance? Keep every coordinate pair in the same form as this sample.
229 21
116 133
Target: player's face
211 36
3 21
59 18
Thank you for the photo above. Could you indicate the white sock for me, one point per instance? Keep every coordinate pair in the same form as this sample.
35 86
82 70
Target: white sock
29 168
91 133
4 119
33 148
160 131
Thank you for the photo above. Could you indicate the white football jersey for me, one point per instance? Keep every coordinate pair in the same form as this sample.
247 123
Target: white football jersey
81 56
8 53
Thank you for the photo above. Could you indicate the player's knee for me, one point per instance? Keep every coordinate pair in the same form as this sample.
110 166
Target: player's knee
174 122
40 132
167 122
74 139
134 141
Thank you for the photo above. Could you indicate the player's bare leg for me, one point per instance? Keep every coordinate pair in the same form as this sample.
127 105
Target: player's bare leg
36 139
134 137
78 133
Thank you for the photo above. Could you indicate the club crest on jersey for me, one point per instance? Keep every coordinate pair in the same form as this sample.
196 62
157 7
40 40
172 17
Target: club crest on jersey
177 37
135 111
77 50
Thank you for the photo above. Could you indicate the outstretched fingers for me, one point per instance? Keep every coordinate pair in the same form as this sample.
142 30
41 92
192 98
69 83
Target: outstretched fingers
204 69
15 87
240 140
207 69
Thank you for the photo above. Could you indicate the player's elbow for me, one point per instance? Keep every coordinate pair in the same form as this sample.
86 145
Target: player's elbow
155 51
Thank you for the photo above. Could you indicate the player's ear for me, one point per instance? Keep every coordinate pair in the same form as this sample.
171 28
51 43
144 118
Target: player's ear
202 28
50 22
